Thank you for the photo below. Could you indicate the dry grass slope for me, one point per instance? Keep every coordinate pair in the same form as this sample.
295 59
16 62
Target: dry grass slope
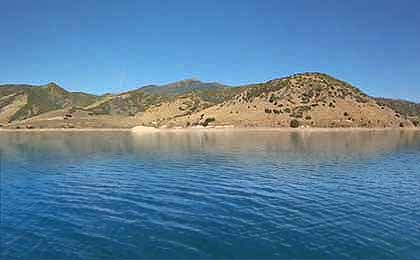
301 100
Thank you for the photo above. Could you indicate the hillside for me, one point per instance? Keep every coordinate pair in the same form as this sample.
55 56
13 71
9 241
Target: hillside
309 100
306 100
181 87
19 102
408 109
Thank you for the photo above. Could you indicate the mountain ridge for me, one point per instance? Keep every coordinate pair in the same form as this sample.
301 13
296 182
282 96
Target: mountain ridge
306 99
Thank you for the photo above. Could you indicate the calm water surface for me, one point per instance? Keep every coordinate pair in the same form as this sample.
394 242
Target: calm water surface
210 195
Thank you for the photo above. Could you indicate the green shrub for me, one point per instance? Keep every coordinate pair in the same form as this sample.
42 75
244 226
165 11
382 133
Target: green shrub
297 114
294 123
208 120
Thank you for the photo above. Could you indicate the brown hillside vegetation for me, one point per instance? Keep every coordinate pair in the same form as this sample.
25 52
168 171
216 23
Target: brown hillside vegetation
301 100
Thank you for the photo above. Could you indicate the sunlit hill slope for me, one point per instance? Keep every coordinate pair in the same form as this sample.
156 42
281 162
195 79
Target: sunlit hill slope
301 100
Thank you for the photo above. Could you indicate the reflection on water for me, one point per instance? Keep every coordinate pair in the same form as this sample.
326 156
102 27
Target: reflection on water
207 195
327 144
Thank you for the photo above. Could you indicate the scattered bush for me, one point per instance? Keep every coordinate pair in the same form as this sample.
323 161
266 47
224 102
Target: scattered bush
268 111
304 101
208 120
297 114
294 123
299 111
308 117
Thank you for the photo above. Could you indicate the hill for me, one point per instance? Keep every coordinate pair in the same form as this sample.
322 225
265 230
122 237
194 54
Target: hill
20 102
309 100
306 100
181 87
408 109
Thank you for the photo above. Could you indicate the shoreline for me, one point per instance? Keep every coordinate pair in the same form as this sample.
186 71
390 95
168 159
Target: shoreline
66 130
210 129
270 129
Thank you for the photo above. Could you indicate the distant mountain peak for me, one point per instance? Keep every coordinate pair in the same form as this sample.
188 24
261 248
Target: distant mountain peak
184 82
191 80
52 86
180 87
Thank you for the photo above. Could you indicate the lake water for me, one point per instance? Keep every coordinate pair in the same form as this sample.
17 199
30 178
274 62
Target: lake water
210 195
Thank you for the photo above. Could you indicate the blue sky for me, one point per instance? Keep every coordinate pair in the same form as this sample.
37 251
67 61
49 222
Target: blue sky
111 46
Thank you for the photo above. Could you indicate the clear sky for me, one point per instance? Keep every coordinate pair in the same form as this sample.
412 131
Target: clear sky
109 46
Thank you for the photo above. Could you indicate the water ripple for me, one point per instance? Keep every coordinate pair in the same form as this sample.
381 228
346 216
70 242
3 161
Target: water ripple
251 195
